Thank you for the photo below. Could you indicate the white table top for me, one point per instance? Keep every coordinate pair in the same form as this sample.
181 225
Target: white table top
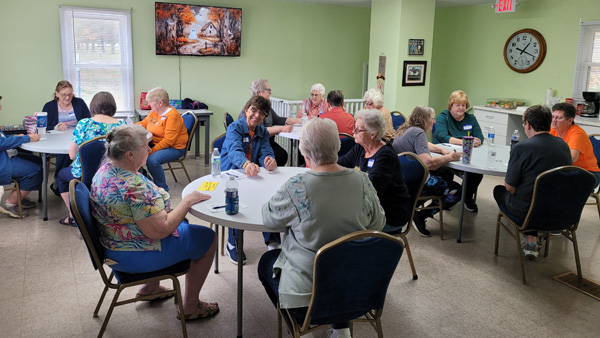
478 163
144 112
254 192
294 134
53 142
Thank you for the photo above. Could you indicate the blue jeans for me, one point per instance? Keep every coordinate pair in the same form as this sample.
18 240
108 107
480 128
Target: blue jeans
27 170
156 160
268 236
64 178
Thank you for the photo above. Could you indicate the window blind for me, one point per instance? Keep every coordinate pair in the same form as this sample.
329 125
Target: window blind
587 64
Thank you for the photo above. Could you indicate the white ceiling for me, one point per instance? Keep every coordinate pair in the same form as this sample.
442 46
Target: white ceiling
367 3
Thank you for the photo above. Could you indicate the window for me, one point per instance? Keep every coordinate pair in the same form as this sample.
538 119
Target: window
587 71
96 53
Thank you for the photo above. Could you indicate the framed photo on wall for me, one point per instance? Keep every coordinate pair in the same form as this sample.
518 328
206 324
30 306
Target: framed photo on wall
416 46
414 73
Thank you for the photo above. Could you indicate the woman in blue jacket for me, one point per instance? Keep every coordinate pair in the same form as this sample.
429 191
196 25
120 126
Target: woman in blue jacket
25 168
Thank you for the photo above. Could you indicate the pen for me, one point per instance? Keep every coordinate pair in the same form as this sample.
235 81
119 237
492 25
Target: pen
230 174
219 207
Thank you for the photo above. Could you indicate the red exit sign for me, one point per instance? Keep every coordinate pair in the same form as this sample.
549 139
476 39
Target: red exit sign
505 6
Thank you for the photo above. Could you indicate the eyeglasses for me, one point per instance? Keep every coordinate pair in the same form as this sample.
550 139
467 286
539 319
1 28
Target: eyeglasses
356 130
65 95
254 110
268 89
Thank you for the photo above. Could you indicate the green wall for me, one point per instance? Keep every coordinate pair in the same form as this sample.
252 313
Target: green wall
292 44
469 42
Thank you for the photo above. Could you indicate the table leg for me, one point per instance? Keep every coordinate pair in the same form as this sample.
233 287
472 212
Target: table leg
45 185
206 141
197 141
463 195
240 291
295 153
217 251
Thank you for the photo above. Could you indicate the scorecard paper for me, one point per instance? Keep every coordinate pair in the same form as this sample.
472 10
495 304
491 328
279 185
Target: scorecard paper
208 186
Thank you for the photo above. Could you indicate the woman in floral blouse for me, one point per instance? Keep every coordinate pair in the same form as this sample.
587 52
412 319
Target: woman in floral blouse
138 228
104 108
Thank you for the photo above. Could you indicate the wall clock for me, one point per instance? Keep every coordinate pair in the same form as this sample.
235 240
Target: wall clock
525 50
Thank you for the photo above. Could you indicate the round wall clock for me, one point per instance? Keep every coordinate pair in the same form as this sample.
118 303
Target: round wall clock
525 50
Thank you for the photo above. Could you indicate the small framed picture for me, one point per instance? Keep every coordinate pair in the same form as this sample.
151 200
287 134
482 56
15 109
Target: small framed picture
416 46
414 73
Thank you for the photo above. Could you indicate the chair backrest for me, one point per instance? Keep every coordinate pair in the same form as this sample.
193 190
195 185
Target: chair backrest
347 142
559 196
91 154
414 173
351 276
218 142
227 120
190 122
397 119
79 196
595 139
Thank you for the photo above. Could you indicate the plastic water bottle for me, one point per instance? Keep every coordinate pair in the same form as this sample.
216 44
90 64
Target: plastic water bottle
304 118
491 158
232 199
491 136
514 139
215 161
129 120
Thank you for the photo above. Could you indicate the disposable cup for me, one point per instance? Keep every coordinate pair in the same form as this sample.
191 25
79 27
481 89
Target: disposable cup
467 149
42 122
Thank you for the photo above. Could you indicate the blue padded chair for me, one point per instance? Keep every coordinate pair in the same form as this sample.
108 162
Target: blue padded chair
360 292
227 120
91 154
87 224
347 143
559 196
397 119
595 139
191 122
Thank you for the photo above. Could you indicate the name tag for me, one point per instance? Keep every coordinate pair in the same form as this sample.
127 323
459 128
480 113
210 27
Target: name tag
468 127
246 140
370 163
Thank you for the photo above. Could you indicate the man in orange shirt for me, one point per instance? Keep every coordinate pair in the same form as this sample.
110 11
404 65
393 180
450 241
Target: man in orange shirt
344 120
169 135
582 152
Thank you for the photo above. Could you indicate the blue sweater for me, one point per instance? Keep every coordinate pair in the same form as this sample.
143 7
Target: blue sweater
7 143
237 142
79 107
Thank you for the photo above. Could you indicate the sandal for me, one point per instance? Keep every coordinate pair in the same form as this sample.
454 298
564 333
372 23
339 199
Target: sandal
210 310
160 294
67 221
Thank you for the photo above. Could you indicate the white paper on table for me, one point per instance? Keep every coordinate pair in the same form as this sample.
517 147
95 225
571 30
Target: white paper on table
237 173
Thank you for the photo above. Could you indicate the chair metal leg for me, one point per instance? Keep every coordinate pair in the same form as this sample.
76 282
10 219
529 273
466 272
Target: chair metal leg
577 261
521 256
172 171
441 213
179 300
410 259
110 311
498 220
185 171
101 300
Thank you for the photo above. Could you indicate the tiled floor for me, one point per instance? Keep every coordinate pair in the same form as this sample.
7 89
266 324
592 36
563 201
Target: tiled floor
48 287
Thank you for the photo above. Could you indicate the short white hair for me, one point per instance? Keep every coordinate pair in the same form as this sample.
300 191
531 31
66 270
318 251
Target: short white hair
373 121
258 86
374 96
320 141
318 87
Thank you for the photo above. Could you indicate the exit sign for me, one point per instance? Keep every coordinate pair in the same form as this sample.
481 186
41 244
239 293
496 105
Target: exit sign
505 6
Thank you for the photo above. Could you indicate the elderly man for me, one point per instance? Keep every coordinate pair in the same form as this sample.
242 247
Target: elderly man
316 105
529 158
582 151
344 120
274 123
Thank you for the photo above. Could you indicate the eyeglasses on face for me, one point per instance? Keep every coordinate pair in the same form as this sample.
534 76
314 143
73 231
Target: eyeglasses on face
254 110
268 89
356 130
65 95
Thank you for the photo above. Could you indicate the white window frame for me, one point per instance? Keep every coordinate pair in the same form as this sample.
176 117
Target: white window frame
69 58
583 62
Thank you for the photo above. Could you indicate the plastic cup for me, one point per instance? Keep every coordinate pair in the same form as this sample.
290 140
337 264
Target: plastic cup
42 122
467 149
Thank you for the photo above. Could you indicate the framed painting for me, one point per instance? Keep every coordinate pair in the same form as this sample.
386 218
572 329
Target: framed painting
416 46
414 73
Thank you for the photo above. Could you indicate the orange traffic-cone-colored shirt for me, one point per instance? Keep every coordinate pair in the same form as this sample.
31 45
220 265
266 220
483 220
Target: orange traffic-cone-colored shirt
577 139
168 130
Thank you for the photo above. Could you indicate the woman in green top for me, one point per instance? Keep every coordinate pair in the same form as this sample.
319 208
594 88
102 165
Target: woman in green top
451 125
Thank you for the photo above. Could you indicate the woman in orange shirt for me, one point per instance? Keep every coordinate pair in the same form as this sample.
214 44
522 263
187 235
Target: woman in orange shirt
169 136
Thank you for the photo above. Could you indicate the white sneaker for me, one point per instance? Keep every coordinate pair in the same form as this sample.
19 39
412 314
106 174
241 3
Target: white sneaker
274 246
341 333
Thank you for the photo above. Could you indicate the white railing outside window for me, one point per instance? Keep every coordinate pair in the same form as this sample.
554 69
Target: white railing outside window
97 53
587 66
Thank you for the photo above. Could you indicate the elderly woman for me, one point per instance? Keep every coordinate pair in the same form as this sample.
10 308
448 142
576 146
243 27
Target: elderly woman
63 111
412 136
138 228
25 168
582 151
378 159
314 208
247 147
452 125
274 123
316 105
374 100
169 135
103 108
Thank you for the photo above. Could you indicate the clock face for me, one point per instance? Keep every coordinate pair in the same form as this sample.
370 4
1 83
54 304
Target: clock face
525 50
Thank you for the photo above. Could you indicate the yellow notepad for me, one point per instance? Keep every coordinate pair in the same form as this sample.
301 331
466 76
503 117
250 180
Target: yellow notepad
208 186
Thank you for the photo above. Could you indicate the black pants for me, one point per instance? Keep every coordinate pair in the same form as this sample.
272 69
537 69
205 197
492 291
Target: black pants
501 197
281 156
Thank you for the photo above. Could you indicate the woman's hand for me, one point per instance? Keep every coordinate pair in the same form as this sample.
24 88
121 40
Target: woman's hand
252 169
476 142
61 127
195 197
456 156
270 163
34 137
287 129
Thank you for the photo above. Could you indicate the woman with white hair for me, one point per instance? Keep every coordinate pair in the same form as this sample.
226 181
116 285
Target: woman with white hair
374 100
378 159
316 104
314 208
274 123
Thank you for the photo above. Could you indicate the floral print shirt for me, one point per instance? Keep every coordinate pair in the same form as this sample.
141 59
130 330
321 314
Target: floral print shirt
119 198
85 130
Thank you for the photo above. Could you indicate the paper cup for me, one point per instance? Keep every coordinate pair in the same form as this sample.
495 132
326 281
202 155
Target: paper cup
467 149
42 122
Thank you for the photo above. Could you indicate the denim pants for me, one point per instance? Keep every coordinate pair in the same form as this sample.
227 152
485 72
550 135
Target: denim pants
156 160
27 169
268 236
